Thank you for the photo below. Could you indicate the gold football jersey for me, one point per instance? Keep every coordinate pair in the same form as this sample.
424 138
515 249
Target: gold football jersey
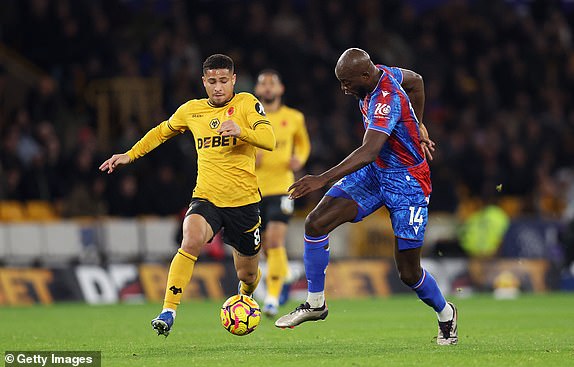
273 170
225 164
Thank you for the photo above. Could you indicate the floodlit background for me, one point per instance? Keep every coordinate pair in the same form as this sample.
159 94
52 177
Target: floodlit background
80 80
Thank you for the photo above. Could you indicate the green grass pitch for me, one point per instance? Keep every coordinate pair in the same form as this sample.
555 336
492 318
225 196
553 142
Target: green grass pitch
533 330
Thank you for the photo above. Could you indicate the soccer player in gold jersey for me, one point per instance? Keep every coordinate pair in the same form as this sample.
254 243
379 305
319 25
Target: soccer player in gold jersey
227 128
275 174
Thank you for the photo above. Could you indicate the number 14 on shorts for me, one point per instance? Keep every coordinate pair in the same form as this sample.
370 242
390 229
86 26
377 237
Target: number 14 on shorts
415 217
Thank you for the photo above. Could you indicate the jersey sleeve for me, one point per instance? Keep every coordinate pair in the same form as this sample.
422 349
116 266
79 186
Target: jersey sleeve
394 72
259 132
177 121
254 112
384 110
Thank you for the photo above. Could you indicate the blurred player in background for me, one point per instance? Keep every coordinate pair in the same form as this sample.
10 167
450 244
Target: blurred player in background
275 173
388 169
227 128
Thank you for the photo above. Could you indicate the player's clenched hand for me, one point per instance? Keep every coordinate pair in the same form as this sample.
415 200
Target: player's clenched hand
114 161
427 145
229 128
306 185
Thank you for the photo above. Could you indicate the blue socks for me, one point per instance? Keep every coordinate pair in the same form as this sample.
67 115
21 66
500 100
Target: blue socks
316 259
429 292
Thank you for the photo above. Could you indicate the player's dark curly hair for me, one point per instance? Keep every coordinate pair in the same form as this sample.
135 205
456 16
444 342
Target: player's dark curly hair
218 61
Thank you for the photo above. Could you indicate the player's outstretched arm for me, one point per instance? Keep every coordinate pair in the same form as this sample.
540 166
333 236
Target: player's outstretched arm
372 144
115 160
151 140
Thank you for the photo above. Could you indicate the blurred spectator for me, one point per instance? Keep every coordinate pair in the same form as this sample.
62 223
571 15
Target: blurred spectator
43 102
483 232
86 201
127 200
165 195
3 97
12 183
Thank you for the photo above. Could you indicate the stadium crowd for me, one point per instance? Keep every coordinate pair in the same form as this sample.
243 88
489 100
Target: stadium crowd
499 79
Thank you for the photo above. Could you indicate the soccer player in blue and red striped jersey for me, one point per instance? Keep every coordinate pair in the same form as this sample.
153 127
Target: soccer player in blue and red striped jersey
389 169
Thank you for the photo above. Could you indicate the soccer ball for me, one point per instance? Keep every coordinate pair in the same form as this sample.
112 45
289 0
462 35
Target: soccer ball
240 315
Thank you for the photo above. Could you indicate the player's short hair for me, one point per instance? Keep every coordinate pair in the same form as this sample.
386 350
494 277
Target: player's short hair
218 61
270 72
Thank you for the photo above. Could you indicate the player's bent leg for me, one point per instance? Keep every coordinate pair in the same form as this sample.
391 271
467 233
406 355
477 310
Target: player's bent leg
426 288
316 259
328 215
248 272
196 232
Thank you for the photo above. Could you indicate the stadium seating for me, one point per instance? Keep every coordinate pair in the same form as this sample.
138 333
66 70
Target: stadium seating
159 238
38 210
25 243
34 210
12 211
121 239
62 241
3 242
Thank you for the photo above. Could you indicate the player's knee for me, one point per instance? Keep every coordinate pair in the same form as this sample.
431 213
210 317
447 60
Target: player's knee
192 242
246 276
409 276
314 226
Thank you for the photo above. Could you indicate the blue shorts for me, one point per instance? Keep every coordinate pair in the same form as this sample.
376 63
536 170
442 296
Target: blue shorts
405 193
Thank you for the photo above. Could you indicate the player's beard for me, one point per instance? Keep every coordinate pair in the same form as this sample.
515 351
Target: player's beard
222 102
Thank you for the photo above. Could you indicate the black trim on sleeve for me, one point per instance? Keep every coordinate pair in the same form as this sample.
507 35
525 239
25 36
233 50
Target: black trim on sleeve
261 122
171 128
